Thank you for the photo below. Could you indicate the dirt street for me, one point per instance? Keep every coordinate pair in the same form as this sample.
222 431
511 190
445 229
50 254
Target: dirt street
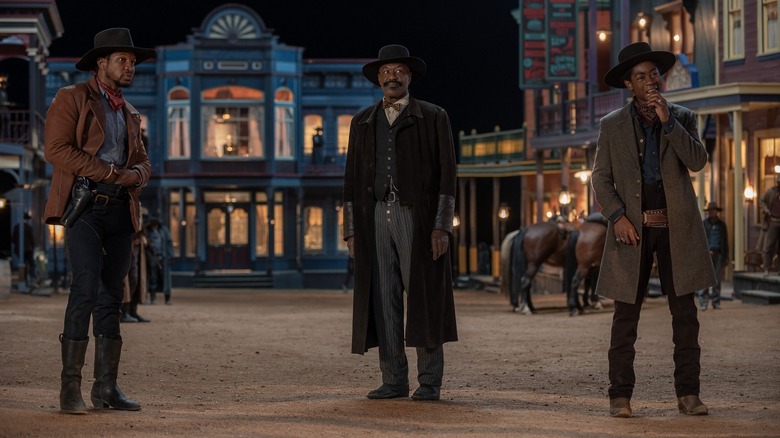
277 363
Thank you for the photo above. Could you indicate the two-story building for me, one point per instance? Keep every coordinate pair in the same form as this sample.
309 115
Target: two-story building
247 141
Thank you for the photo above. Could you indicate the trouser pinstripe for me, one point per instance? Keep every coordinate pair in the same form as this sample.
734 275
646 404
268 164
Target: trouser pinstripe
394 229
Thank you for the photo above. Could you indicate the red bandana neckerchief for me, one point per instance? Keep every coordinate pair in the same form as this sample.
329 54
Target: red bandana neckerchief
115 98
646 112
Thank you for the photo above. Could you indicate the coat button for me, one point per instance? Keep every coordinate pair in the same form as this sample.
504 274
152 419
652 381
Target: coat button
370 189
637 195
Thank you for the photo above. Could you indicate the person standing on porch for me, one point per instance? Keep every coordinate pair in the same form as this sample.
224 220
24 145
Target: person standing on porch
93 141
399 202
770 206
644 153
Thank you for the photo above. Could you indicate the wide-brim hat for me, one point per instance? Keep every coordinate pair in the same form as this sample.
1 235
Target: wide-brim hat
112 40
394 54
632 55
713 206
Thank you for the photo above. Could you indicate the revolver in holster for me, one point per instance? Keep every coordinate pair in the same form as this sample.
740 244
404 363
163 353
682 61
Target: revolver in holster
81 196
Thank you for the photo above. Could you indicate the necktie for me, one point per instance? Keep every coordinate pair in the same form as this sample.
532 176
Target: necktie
395 106
115 98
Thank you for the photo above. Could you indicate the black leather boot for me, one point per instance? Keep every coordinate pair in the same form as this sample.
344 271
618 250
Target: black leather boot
105 391
73 353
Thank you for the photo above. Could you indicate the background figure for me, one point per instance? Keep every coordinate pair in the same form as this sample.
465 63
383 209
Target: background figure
316 146
93 145
137 285
718 242
29 249
483 258
159 253
652 210
399 201
770 206
348 280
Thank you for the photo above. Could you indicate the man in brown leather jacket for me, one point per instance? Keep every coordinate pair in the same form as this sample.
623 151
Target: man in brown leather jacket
93 136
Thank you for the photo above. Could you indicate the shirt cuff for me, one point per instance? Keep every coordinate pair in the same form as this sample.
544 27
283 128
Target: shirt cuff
616 215
669 125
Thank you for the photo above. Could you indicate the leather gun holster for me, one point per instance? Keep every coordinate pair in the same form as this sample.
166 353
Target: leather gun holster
81 196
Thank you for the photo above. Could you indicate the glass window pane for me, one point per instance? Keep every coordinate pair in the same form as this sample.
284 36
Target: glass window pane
344 122
310 124
190 233
261 230
216 227
239 227
312 237
173 225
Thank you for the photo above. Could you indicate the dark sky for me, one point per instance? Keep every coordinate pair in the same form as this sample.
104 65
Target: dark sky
470 46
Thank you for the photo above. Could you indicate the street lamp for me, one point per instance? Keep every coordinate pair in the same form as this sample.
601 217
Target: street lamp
564 199
503 216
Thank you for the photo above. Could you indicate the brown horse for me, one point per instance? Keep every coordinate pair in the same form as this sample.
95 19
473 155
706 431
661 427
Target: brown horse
524 251
588 250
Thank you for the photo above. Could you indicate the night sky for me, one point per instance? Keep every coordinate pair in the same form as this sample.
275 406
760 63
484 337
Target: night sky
471 48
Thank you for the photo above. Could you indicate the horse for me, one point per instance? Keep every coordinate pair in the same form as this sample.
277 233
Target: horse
588 247
524 251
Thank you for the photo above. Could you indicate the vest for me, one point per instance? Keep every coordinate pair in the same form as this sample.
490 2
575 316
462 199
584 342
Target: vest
386 163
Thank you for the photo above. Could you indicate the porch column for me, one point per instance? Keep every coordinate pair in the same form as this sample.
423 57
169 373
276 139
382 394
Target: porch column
702 197
473 269
201 222
739 188
539 187
462 258
270 191
496 250
299 234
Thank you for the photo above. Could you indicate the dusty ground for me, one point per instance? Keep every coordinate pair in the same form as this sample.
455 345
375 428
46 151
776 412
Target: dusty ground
277 363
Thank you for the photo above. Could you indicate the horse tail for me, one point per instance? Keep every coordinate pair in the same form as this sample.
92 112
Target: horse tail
570 263
518 266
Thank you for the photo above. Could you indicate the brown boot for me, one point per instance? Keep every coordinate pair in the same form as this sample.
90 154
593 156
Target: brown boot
691 405
105 391
620 407
73 353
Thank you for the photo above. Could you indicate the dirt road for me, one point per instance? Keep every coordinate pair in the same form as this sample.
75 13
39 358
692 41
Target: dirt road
277 363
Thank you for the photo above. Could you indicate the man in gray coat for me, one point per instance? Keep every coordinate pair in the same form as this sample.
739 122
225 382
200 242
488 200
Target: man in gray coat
399 200
641 179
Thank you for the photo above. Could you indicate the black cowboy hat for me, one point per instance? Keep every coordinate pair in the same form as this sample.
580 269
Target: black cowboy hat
394 54
713 206
109 41
632 55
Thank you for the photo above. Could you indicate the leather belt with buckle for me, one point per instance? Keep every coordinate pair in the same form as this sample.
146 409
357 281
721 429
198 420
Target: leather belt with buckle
655 218
101 200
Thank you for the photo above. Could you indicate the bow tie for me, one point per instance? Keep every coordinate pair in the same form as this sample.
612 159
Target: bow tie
395 106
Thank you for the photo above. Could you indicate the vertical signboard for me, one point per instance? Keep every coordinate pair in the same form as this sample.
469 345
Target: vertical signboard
533 39
561 34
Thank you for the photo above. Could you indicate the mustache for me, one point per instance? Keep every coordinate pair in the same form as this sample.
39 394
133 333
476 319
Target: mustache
391 82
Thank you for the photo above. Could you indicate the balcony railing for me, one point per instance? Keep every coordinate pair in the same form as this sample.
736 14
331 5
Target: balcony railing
575 115
492 147
15 126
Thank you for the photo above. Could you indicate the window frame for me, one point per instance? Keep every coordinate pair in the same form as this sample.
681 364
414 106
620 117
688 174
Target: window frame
729 53
762 22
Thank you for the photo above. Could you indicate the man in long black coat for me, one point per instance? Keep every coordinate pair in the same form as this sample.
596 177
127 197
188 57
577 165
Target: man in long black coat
399 200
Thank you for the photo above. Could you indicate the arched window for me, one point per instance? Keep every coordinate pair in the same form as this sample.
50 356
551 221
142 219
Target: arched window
284 129
233 120
344 122
178 123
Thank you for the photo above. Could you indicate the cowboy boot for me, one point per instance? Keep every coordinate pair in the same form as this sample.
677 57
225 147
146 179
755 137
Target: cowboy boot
73 353
105 391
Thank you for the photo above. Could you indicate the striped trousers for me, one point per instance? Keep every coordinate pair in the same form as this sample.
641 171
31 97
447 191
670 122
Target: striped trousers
394 229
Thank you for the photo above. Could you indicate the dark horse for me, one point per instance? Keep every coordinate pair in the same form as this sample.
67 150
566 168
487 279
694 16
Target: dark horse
524 251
